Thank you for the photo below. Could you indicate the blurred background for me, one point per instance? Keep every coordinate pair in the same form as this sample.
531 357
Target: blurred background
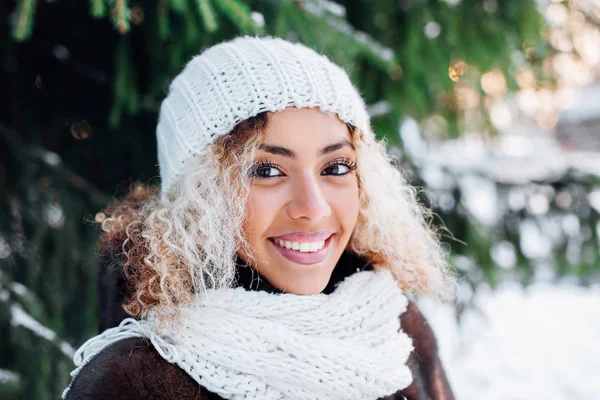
491 106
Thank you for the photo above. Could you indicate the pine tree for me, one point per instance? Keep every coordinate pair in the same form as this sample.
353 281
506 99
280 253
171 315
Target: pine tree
81 85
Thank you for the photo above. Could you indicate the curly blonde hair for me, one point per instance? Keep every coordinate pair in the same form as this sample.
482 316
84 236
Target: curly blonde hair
184 243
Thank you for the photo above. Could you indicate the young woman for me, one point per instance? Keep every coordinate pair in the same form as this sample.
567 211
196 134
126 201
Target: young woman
274 260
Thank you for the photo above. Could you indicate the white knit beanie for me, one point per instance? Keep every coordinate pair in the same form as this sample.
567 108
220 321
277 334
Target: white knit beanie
235 80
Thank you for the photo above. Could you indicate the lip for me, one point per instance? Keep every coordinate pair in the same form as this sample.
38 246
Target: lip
298 257
304 236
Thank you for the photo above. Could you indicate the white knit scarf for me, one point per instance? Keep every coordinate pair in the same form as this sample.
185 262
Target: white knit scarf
256 345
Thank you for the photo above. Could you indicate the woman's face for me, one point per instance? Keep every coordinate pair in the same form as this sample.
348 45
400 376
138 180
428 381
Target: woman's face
303 204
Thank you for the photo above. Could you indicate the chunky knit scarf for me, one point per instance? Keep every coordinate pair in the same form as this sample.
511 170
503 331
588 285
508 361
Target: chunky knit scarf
244 344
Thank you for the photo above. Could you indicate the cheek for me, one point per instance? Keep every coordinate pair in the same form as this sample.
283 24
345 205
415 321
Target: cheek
262 209
345 203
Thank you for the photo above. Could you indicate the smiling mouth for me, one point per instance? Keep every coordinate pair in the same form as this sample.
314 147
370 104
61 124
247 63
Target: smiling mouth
303 247
305 253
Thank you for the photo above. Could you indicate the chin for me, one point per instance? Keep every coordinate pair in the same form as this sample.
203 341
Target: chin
305 284
313 289
305 290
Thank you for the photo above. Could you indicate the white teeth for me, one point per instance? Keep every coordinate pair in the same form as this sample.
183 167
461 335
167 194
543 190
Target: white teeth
303 247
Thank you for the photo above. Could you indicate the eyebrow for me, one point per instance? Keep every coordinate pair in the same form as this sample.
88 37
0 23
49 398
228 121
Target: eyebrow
285 152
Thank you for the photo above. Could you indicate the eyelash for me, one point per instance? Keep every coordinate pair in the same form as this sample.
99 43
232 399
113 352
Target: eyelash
351 165
262 165
343 161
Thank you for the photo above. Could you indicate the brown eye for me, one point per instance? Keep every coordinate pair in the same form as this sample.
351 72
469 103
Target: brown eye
268 172
339 167
265 171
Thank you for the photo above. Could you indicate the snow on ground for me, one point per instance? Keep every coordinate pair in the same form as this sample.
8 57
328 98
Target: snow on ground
537 343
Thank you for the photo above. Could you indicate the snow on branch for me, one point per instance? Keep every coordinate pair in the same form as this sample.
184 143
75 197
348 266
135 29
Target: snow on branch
20 317
8 377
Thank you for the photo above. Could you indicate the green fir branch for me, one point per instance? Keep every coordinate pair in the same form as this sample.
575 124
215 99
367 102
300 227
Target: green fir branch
369 47
125 90
281 25
121 15
24 24
239 14
33 153
164 26
98 8
179 6
207 15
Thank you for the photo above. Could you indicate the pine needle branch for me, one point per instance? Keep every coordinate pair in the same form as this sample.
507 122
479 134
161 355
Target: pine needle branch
24 24
380 54
207 15
120 15
98 8
239 14
179 6
164 26
32 153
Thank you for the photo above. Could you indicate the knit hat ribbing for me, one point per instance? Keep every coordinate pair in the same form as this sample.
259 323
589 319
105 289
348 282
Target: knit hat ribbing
235 80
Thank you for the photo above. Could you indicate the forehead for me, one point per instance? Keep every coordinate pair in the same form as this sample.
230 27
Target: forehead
304 128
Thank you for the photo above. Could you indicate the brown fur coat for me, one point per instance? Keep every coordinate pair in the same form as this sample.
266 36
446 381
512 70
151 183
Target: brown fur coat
133 369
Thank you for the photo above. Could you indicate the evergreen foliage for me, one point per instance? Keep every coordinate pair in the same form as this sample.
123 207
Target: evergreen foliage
82 82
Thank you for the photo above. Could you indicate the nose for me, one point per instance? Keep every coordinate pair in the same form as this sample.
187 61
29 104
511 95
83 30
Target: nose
308 202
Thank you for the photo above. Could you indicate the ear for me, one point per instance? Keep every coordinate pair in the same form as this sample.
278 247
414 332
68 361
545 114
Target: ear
429 378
